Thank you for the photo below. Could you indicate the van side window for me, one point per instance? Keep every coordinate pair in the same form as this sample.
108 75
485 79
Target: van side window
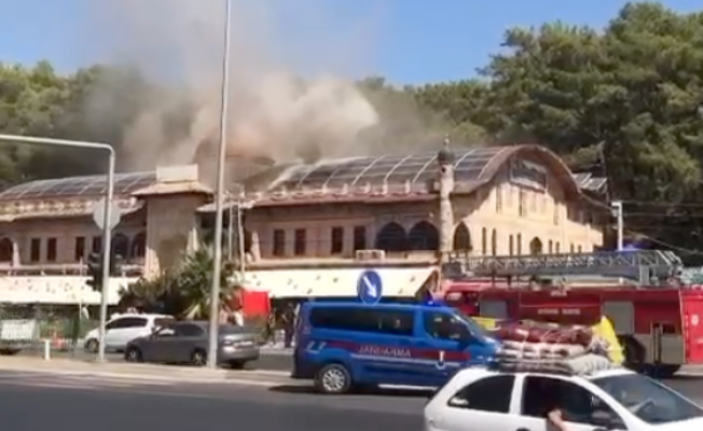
444 326
383 321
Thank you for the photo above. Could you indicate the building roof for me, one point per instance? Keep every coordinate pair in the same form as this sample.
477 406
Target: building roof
93 185
370 176
587 181
416 168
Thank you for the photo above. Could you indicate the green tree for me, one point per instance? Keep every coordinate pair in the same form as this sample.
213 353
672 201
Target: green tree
93 104
629 96
183 292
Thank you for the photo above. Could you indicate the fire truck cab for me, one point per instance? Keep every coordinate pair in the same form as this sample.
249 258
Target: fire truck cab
659 326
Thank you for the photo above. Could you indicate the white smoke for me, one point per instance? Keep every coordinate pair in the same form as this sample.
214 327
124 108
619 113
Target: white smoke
287 90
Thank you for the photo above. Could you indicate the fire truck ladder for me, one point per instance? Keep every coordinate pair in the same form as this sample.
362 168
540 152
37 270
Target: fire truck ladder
642 265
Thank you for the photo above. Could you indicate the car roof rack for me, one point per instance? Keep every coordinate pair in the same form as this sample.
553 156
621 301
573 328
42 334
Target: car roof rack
583 365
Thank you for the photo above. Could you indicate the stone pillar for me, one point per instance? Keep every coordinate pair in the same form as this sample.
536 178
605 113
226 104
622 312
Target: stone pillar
255 248
445 160
16 258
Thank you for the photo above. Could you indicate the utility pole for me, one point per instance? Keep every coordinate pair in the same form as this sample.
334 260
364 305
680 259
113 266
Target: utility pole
219 198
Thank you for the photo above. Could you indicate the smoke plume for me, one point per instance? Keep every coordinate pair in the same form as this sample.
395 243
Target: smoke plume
288 92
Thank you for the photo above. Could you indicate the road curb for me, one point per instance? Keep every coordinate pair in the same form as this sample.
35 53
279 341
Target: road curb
139 371
220 378
278 373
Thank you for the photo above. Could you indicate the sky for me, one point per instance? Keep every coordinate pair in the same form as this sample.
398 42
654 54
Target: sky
415 41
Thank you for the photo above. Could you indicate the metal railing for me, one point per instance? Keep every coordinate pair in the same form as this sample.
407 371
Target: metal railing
132 268
642 265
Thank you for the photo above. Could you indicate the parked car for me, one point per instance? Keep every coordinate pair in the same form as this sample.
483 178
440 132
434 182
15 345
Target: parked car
124 328
186 342
480 399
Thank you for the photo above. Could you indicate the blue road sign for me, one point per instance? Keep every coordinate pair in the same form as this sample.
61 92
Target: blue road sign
369 287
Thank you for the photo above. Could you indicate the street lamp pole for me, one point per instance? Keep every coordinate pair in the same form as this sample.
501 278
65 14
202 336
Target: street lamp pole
101 146
241 236
230 229
220 192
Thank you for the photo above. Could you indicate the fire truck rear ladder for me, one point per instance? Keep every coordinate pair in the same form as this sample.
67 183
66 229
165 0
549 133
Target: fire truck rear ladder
642 265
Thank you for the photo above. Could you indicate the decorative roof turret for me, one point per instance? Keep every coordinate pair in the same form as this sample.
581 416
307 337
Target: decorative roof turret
445 156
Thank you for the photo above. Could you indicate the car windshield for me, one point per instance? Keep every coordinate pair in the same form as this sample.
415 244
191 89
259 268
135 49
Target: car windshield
648 399
476 329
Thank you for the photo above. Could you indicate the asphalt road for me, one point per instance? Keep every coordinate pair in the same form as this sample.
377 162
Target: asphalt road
34 401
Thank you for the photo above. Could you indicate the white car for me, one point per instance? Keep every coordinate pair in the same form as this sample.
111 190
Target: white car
123 328
480 399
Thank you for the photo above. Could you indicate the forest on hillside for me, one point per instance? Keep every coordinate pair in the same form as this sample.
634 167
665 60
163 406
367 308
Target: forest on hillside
625 101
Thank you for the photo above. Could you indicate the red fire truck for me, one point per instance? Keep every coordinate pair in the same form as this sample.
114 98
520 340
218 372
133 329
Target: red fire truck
657 322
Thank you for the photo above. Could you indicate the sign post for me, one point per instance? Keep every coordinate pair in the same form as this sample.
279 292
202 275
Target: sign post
369 287
99 215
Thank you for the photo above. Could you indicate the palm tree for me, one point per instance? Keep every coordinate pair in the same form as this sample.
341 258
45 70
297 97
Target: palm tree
185 291
195 280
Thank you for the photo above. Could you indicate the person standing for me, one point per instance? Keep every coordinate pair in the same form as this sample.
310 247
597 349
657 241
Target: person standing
288 325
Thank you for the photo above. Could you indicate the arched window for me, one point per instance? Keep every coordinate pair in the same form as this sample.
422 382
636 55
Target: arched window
138 248
484 241
462 238
550 247
120 246
424 236
392 238
535 246
6 250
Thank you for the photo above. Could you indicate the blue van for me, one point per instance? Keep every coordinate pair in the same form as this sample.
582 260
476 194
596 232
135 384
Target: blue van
345 345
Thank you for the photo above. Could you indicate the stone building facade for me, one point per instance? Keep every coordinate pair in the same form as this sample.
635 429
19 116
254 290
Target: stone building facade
395 210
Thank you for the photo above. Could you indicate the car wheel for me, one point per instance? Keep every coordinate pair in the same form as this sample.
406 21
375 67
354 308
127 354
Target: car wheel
91 346
198 357
133 354
237 365
333 379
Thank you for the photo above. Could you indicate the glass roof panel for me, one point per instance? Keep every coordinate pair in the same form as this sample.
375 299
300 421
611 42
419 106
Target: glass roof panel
397 168
297 175
424 176
406 172
86 185
69 186
467 175
484 154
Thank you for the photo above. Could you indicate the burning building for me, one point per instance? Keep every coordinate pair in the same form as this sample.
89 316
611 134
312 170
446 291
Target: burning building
309 229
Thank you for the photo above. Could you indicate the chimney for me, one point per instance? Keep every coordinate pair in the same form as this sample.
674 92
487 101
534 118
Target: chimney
445 160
